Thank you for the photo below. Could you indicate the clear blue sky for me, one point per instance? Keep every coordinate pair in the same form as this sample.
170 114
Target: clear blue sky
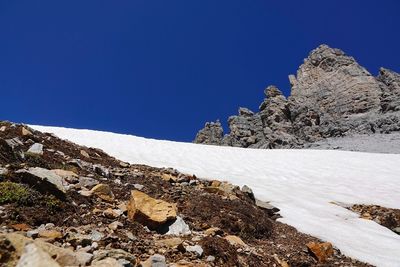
162 68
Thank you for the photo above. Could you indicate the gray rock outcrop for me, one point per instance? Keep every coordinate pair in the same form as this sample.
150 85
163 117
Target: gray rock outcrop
331 96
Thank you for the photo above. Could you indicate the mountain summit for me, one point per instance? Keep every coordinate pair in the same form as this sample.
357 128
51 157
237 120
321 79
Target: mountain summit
331 96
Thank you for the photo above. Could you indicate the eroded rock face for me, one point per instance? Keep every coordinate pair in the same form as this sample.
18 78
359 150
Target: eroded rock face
331 96
211 134
390 84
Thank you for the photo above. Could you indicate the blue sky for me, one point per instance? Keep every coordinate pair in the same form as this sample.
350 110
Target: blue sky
162 68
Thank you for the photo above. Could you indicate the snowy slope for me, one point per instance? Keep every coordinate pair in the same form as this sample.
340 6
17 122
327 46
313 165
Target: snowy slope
302 183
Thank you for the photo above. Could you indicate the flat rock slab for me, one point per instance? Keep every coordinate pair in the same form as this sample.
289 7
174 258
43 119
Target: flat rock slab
44 180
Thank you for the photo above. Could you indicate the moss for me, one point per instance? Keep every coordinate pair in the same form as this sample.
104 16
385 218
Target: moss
52 203
15 193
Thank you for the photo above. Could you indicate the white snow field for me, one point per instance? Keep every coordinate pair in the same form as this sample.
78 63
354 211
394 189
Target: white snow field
301 183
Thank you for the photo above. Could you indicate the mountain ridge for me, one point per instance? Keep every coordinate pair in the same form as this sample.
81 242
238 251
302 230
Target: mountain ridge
331 96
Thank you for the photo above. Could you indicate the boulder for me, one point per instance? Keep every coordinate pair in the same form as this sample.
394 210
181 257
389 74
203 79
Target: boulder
150 211
43 180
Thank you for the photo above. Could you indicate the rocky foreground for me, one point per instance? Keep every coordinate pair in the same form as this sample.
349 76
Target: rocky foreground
66 205
331 96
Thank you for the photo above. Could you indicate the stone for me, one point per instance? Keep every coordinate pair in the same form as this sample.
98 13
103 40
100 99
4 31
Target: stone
84 154
108 262
14 142
83 257
62 256
50 234
169 177
87 182
247 190
3 171
104 192
149 211
101 170
156 260
235 240
169 242
36 149
124 164
213 231
113 253
20 227
115 225
138 187
112 213
3 128
96 235
322 251
69 176
177 227
44 180
266 206
25 132
396 230
196 249
33 256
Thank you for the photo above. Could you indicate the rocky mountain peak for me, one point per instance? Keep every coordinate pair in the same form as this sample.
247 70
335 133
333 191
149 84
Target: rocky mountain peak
331 95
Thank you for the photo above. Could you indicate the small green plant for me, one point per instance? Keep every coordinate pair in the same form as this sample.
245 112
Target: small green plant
52 203
15 193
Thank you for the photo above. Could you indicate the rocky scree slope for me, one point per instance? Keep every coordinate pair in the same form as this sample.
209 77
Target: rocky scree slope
66 205
331 96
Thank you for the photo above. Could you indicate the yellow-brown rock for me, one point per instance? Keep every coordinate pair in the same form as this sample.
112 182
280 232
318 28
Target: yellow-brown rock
25 131
235 240
104 192
322 251
50 234
169 242
150 211
169 177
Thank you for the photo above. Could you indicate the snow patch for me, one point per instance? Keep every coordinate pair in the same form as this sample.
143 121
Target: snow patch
301 183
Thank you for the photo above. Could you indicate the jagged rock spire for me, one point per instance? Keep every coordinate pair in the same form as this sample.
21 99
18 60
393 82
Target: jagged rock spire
331 95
